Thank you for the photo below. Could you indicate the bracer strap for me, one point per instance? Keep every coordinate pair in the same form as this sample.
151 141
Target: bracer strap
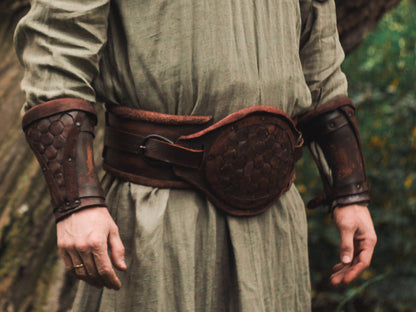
60 133
333 127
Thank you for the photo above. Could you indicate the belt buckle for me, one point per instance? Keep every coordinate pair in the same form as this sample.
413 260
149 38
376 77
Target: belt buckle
142 150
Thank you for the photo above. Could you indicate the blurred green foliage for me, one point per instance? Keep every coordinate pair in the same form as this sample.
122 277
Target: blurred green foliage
381 76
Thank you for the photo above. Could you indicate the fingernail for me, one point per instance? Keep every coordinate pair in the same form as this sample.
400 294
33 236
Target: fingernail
346 259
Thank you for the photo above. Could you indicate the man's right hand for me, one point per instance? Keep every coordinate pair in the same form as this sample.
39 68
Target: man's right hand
84 238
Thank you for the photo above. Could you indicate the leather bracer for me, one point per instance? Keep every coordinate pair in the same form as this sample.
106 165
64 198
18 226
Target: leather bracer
333 128
60 133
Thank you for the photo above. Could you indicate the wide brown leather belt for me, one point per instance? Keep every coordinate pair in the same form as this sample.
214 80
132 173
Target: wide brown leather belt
243 163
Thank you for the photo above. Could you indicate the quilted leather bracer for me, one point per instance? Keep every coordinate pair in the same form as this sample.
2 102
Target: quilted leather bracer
60 133
333 127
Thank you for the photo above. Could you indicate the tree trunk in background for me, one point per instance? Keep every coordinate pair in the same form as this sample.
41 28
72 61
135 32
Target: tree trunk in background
357 17
32 277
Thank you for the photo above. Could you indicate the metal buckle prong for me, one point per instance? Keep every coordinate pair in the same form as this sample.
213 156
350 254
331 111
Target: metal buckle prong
142 147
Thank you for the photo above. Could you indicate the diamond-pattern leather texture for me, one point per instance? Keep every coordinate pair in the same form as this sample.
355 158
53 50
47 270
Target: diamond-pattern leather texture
61 139
248 165
48 137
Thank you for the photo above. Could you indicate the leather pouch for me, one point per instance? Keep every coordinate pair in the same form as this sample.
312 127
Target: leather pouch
242 163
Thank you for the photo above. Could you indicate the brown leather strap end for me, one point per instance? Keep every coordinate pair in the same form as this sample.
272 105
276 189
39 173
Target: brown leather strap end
84 203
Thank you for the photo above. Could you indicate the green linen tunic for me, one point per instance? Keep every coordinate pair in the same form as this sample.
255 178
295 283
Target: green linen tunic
191 57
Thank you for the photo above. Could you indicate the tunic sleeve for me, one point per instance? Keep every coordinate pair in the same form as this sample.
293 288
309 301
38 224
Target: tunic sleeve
59 43
321 53
321 56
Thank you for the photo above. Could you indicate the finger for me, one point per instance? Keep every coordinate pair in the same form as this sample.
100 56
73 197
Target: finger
76 260
364 259
91 268
365 248
336 280
353 273
117 250
82 272
105 268
67 260
347 245
69 265
338 267
338 277
338 273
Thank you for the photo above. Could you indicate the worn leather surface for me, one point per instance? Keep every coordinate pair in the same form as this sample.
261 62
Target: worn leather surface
249 162
243 163
334 128
62 142
126 131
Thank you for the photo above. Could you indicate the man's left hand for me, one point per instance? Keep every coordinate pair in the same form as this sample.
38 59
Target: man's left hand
358 239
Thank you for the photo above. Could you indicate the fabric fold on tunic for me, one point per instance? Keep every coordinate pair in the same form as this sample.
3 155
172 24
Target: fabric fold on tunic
196 259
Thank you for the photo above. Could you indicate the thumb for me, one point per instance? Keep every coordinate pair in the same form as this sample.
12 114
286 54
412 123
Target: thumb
117 250
347 245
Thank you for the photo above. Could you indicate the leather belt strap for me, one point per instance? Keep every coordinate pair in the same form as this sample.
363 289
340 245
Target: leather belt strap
154 147
128 129
243 163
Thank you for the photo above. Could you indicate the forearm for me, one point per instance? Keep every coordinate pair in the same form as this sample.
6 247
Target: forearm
333 130
60 133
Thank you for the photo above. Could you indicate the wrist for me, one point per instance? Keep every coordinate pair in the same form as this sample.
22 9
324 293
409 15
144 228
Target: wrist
333 132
